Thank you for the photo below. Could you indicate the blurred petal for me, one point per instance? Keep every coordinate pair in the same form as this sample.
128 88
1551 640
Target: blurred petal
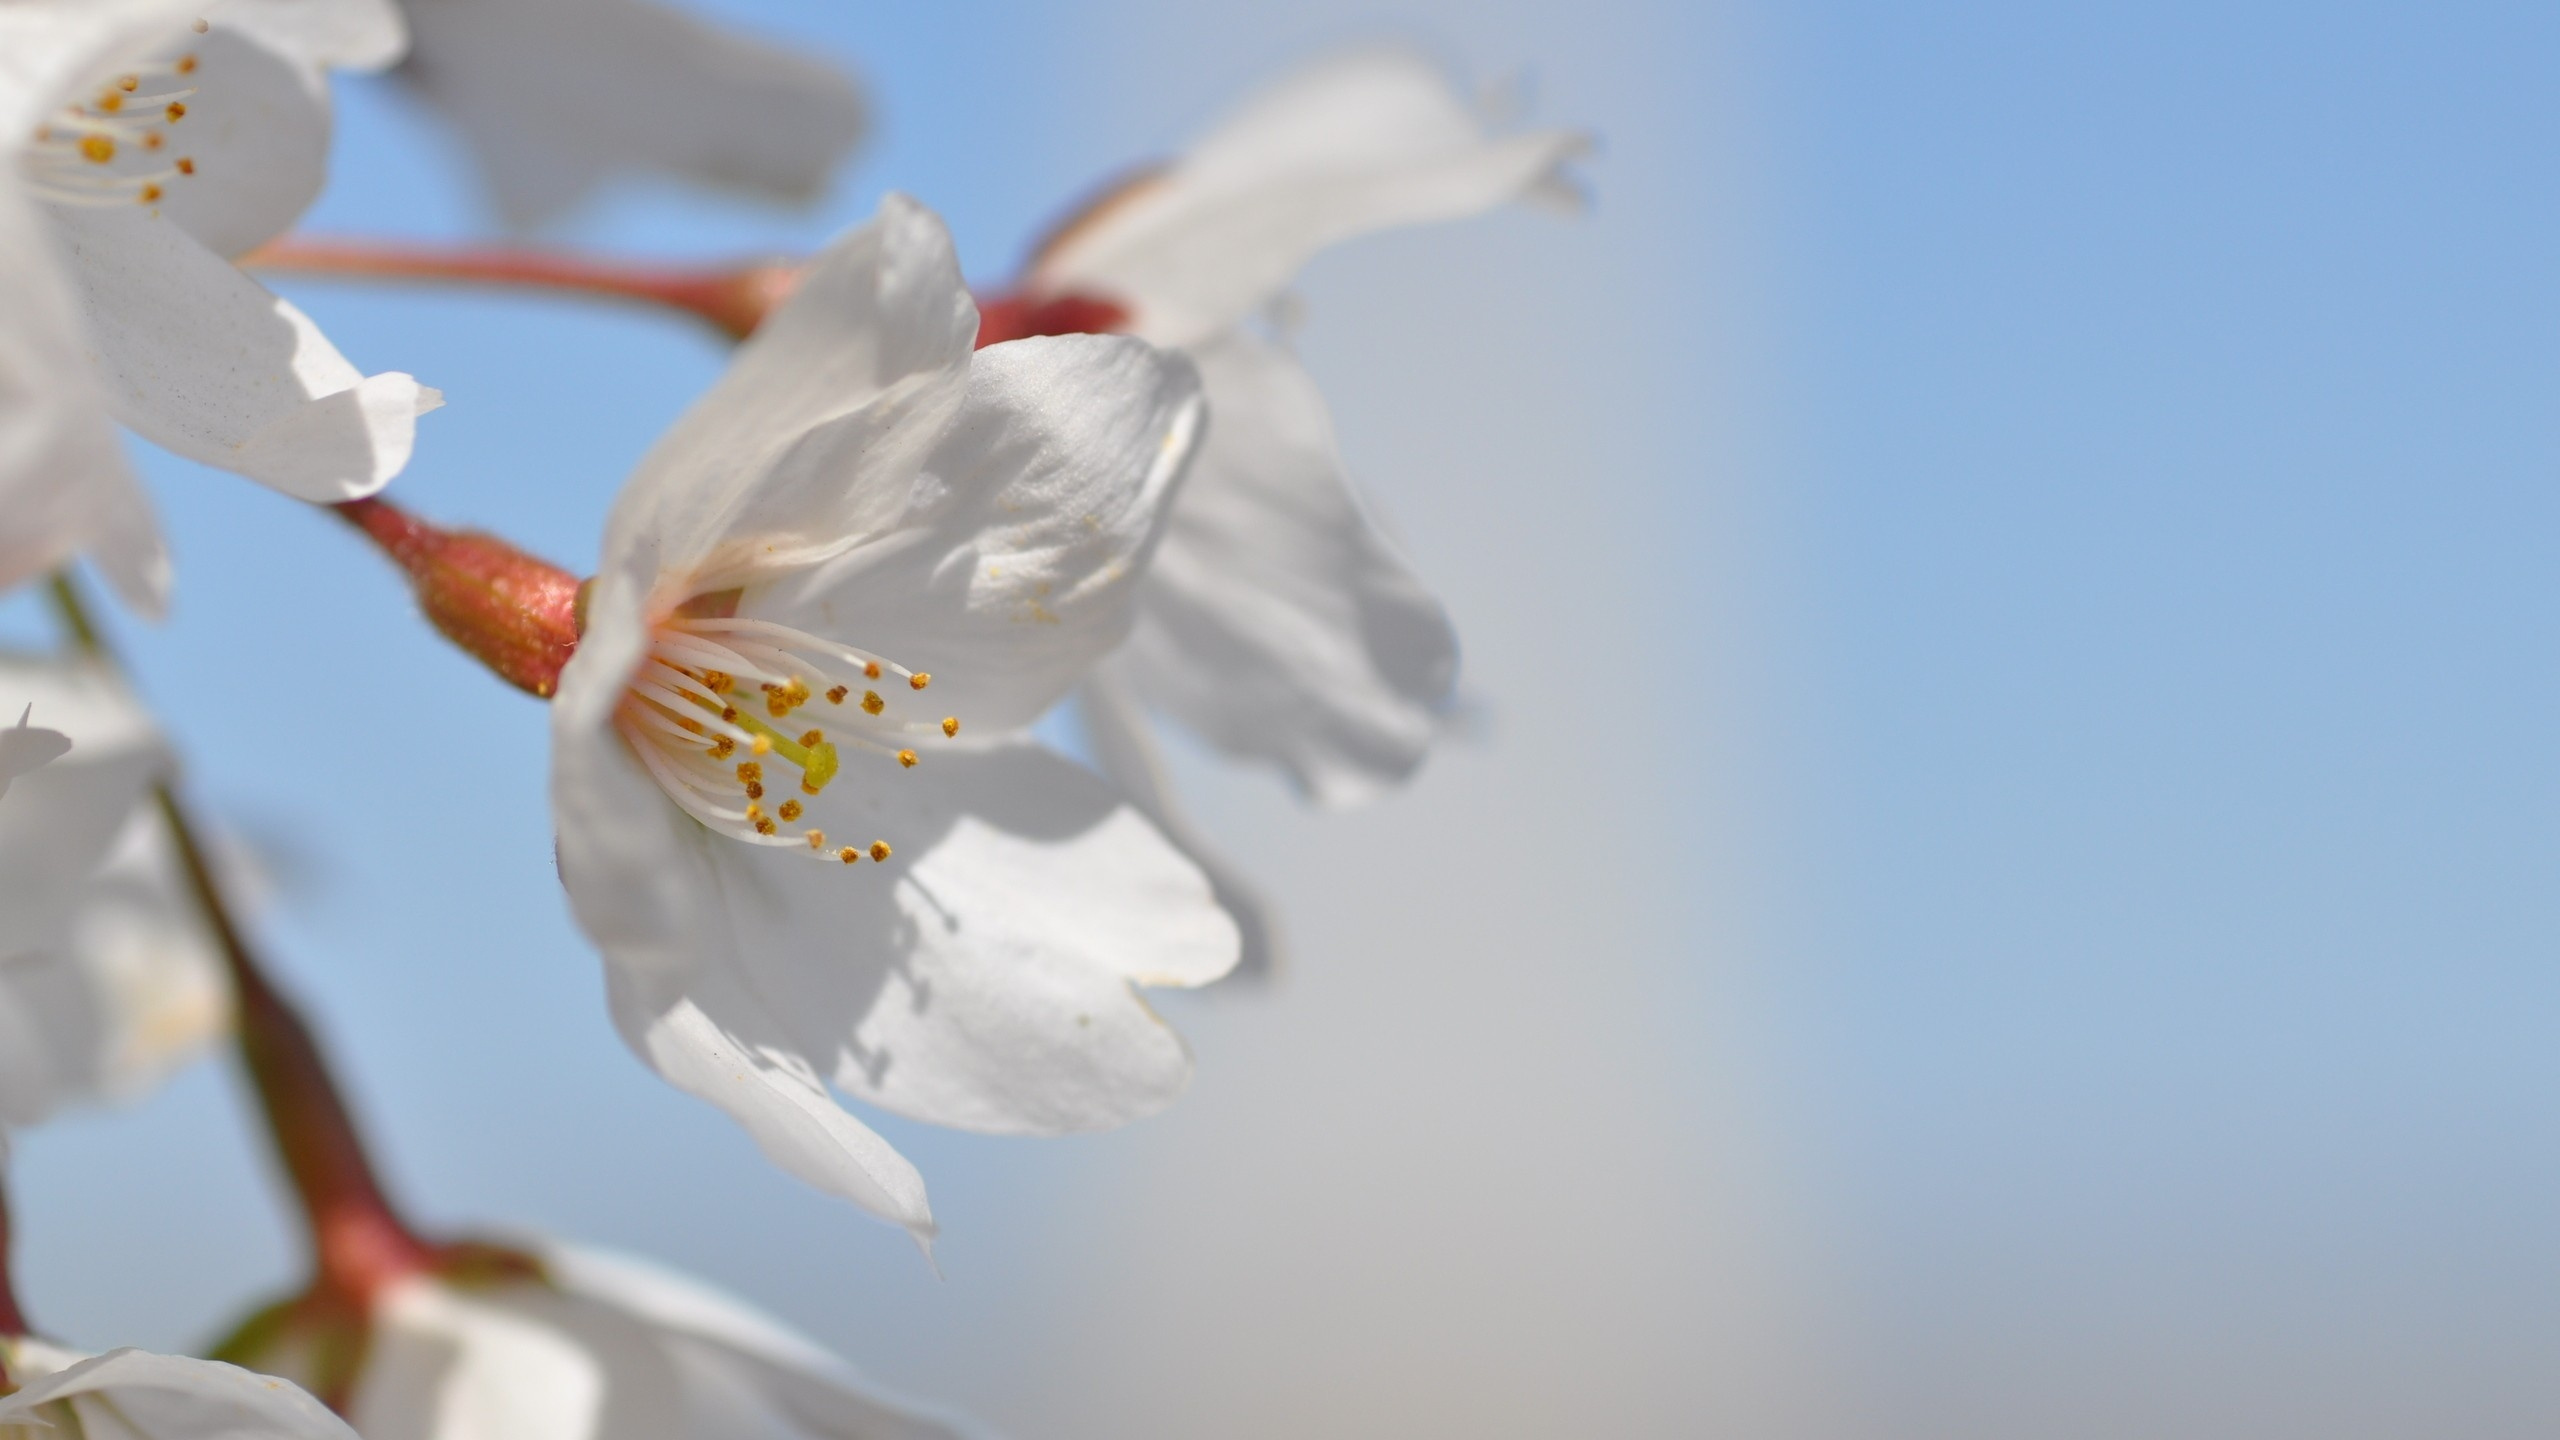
1016 566
813 436
337 34
134 1392
555 96
197 358
1363 142
1277 621
25 747
1116 730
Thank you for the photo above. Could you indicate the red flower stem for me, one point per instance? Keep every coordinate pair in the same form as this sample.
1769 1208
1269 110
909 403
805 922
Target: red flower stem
13 1321
359 1243
733 298
517 614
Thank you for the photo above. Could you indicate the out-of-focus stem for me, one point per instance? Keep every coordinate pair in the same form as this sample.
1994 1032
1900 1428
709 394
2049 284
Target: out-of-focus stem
13 1321
733 298
359 1243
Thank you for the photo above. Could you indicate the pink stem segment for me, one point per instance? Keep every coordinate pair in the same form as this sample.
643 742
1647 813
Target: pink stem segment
735 299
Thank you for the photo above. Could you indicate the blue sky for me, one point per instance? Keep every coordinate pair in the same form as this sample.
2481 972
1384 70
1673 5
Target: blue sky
2001 886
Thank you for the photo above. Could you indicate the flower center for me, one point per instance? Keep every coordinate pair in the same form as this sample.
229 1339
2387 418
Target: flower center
112 146
712 708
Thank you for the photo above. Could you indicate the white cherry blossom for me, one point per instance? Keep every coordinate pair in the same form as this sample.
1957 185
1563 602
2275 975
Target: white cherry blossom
601 1347
148 142
794 803
555 96
1278 622
136 1395
106 982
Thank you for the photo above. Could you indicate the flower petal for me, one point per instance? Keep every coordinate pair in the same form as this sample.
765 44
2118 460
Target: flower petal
443 1363
814 435
336 34
1363 142
1116 730
544 95
1277 621
256 133
143 1394
722 1043
738 1363
64 484
1015 567
59 821
47 52
985 977
200 360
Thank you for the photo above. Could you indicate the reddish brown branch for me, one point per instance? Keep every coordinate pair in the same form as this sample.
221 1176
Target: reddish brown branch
733 298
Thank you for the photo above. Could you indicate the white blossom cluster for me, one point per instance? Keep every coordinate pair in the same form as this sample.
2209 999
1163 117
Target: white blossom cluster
799 807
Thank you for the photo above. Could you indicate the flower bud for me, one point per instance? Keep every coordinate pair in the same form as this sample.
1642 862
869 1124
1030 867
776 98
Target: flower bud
515 613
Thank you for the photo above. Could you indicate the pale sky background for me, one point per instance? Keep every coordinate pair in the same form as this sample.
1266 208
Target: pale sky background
1997 877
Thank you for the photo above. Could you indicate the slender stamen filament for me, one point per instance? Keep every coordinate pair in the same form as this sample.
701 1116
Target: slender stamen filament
716 700
77 155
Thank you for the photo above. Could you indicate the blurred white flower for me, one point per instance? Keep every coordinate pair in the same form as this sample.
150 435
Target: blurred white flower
25 747
136 1395
600 1347
1277 621
106 982
150 146
952 929
555 96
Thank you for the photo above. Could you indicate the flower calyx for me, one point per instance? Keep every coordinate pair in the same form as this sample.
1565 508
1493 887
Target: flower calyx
513 612
320 1338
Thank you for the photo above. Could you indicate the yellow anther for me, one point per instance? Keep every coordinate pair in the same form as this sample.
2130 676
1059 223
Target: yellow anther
907 758
872 703
766 827
688 725
97 149
749 772
849 855
755 812
951 725
729 713
817 839
755 789
880 851
919 680
813 739
717 681
790 810
153 140
870 669
723 748
111 102
761 745
186 65
150 193
129 83
176 112
186 163
836 695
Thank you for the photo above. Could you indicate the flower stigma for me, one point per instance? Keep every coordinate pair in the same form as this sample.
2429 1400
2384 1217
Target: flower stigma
710 714
104 148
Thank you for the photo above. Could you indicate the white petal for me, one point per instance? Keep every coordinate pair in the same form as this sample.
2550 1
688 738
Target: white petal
25 747
814 435
64 485
257 132
554 96
986 976
1016 566
1116 730
1277 621
744 1372
170 1397
338 34
59 821
1363 142
199 359
446 1365
722 1043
